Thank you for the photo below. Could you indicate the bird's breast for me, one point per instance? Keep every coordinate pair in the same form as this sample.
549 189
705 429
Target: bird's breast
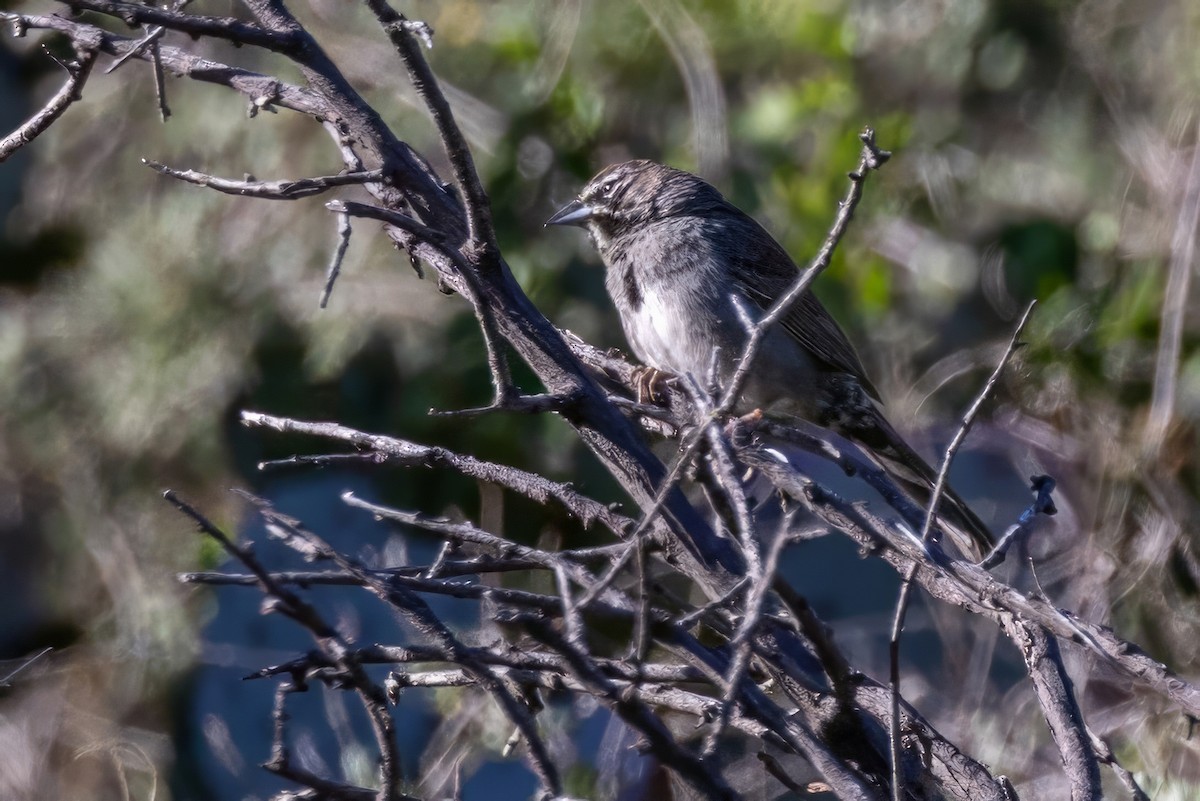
675 316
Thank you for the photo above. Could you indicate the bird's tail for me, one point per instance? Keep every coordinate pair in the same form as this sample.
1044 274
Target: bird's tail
970 534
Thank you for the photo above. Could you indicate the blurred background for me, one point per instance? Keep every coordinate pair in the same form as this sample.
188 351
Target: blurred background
1043 149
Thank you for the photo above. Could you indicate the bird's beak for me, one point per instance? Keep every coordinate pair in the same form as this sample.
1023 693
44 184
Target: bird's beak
574 213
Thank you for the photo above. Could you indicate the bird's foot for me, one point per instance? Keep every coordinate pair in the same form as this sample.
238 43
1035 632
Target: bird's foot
740 430
752 418
648 382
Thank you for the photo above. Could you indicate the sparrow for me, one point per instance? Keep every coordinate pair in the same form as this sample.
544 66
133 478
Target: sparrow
680 260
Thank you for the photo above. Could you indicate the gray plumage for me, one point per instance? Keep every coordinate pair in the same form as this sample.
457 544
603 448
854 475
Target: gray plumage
680 258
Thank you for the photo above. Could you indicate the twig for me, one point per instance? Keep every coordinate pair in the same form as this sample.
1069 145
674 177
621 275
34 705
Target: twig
287 189
160 82
872 158
576 634
1123 775
262 90
72 90
400 31
6 681
497 361
335 261
655 695
150 38
700 774
228 28
404 452
467 533
524 659
971 587
727 479
1043 504
968 420
425 621
1056 697
742 643
795 731
906 584
329 640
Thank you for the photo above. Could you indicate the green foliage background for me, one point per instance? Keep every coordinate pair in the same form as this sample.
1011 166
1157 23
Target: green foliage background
1043 149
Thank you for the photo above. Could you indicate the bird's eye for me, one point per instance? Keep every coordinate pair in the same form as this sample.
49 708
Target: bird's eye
607 188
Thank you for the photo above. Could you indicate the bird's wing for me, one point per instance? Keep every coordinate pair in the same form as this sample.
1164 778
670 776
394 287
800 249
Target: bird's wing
764 272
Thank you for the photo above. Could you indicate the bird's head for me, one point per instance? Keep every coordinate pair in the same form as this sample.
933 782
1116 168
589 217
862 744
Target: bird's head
623 198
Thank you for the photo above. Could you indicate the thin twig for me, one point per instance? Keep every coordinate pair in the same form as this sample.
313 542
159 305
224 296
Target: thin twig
6 681
872 158
329 640
228 28
72 90
335 261
493 342
1043 504
742 642
160 82
1127 779
150 38
262 90
287 189
968 420
465 532
966 585
906 584
405 452
425 621
401 33
700 774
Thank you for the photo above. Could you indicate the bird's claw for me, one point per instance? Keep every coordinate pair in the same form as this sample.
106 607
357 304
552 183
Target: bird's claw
647 383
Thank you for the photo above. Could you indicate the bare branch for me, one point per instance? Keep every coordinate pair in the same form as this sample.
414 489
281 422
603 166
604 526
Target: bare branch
287 189
150 38
939 486
1056 696
872 159
700 774
160 82
401 32
263 90
404 452
230 29
335 262
742 642
72 90
328 640
464 532
425 621
963 584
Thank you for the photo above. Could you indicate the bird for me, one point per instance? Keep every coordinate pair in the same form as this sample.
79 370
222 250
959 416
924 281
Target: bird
681 260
